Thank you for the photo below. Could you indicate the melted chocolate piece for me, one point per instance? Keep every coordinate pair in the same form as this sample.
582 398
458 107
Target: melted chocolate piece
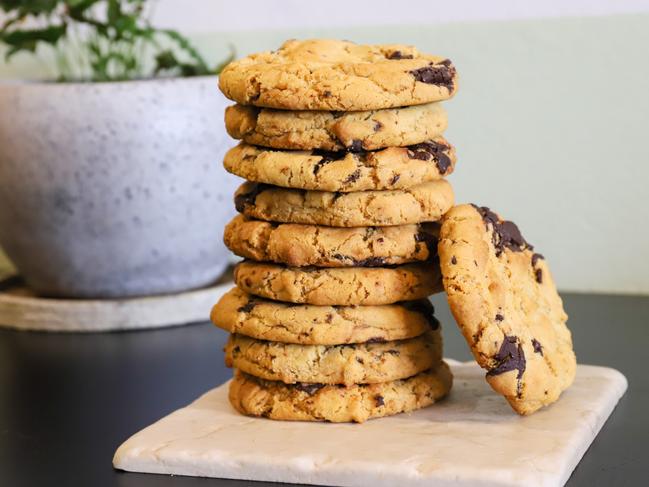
246 199
356 146
248 307
538 348
378 399
538 275
509 357
353 177
453 260
431 150
425 308
499 317
440 74
377 126
429 239
326 93
326 156
360 360
370 262
310 389
535 259
398 55
505 233
394 179
376 340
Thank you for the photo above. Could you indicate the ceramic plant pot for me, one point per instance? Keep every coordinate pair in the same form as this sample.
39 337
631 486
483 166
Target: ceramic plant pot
114 189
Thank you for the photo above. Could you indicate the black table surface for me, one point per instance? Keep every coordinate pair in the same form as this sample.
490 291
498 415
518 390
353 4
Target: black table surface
68 400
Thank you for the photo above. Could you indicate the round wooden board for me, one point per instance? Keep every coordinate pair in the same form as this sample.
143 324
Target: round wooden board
20 309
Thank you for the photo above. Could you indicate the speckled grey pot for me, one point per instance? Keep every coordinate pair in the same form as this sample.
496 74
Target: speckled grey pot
114 189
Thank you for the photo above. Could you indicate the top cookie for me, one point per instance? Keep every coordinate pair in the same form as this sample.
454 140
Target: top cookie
325 74
503 298
355 131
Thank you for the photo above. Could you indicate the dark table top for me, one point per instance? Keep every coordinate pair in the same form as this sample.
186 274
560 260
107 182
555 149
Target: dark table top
68 401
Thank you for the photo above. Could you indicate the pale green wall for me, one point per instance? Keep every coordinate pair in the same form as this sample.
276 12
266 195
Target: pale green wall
550 125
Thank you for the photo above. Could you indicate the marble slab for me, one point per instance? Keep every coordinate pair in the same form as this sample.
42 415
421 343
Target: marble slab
470 438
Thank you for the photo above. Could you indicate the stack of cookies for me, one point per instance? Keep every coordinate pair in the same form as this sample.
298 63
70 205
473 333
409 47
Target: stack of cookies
344 158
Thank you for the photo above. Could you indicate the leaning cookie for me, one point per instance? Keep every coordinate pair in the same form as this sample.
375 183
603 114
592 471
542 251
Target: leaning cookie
313 245
318 402
391 168
360 363
426 202
505 302
338 75
342 286
263 319
307 130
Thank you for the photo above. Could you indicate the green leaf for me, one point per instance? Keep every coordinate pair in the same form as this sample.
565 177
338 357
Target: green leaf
27 40
29 7
186 46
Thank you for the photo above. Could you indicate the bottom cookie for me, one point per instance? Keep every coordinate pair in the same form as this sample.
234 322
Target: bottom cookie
338 404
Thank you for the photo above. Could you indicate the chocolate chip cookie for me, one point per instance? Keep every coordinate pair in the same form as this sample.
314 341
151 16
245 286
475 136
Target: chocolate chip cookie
313 245
342 286
333 131
503 297
360 363
245 314
338 75
392 168
318 402
426 202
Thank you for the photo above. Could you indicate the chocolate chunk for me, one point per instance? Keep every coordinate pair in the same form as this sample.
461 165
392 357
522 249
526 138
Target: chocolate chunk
425 308
535 259
378 399
499 317
436 74
329 318
241 201
310 389
510 357
326 157
394 179
505 233
376 340
431 150
360 360
453 260
326 93
370 262
538 275
538 348
247 308
356 146
429 239
353 177
377 126
398 55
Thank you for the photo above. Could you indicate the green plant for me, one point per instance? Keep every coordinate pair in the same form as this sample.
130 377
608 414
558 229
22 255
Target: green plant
100 40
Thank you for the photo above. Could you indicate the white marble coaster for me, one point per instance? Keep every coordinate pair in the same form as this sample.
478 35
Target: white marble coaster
470 438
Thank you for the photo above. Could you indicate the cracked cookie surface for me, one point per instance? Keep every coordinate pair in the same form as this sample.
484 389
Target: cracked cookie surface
426 202
263 319
336 75
317 402
339 286
391 168
307 130
314 245
505 302
360 363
